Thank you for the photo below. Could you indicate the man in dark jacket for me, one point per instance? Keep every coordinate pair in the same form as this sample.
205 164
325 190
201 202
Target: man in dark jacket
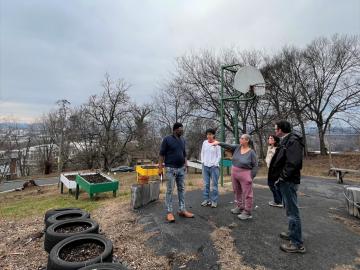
285 169
173 156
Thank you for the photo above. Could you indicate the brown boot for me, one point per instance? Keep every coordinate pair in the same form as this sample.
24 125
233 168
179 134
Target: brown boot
186 214
170 217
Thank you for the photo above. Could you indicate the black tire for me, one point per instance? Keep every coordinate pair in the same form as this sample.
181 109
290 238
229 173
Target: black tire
51 212
66 215
105 266
56 263
52 237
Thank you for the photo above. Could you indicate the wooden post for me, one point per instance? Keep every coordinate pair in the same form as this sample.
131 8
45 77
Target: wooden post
77 192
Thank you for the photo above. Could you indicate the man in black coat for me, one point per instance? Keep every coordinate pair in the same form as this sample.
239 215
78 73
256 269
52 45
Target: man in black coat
285 169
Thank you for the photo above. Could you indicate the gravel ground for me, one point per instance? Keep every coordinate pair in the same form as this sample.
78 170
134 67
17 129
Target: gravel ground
215 239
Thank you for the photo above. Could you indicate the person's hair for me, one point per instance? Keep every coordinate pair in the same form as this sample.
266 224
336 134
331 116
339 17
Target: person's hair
250 141
211 131
276 139
284 125
177 125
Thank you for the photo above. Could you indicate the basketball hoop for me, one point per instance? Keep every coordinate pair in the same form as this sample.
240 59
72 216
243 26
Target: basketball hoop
258 89
250 83
249 78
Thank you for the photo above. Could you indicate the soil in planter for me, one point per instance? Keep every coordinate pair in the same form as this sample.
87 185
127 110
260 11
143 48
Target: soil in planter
81 252
69 216
95 178
71 177
74 228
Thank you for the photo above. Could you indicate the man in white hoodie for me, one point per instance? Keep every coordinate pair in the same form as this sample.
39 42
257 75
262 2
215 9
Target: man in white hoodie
210 158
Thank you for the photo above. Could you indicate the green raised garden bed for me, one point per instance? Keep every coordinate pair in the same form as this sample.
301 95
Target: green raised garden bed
94 183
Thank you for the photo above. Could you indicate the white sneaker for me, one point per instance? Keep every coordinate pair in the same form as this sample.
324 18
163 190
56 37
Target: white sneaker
214 204
244 216
274 204
205 203
236 210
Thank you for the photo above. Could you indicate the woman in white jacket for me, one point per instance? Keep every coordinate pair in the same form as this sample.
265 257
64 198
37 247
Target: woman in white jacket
273 142
210 158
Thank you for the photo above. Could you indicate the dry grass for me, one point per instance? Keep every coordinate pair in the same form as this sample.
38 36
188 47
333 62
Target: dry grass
349 223
354 266
319 165
21 245
120 225
229 258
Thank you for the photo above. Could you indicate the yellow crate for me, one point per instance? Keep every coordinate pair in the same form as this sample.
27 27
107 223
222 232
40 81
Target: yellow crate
147 171
142 170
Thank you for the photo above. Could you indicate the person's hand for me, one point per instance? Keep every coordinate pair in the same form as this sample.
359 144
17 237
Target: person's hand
214 143
161 170
277 182
186 167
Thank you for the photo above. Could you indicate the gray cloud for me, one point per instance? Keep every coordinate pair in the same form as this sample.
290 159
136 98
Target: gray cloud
51 50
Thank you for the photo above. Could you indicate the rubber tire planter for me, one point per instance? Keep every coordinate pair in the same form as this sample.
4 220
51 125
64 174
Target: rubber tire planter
51 212
56 263
59 216
52 237
105 266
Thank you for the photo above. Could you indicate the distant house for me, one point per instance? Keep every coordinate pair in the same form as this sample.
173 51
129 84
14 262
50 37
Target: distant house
9 168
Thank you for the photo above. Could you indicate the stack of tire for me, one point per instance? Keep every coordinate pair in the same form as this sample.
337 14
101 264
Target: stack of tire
70 229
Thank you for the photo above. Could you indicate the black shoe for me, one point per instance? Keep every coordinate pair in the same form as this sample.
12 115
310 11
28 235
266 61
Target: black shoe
285 236
291 248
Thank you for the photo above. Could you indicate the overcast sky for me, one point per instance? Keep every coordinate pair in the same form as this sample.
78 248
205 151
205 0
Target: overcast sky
56 49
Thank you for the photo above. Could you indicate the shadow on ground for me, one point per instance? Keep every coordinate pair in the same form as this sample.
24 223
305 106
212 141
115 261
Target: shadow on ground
332 238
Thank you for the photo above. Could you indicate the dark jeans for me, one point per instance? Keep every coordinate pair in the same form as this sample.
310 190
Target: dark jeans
288 191
275 191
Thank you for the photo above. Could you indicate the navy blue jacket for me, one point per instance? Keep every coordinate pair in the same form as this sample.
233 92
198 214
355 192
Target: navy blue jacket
173 150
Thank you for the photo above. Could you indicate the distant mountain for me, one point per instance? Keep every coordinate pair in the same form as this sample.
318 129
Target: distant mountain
334 130
11 124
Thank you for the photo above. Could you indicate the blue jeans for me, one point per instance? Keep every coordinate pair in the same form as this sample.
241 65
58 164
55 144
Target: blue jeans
275 191
288 191
208 174
175 175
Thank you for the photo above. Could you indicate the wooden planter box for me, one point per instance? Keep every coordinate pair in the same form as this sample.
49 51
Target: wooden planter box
92 188
65 181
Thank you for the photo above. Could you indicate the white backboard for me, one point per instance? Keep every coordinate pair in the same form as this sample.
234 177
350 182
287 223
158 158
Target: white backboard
249 76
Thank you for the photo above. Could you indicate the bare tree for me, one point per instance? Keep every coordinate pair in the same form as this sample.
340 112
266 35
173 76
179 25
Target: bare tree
171 105
16 142
140 114
195 135
22 150
201 78
331 84
284 76
110 112
84 140
6 133
46 147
